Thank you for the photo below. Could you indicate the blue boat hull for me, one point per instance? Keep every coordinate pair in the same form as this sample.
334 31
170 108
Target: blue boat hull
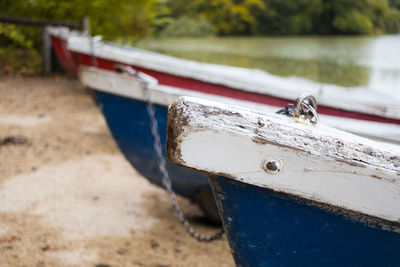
267 228
129 124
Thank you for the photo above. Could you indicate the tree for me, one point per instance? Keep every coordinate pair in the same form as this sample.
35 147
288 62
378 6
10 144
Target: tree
290 17
230 16
110 18
353 22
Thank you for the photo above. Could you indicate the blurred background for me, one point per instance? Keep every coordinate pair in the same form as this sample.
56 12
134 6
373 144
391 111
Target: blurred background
346 42
68 197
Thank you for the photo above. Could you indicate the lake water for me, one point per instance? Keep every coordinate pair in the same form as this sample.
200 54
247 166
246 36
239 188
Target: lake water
369 62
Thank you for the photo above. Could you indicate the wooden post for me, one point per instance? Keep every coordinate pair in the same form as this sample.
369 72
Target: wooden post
46 42
39 22
86 25
46 51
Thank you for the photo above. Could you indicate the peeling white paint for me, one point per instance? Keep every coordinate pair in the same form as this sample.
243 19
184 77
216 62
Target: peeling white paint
318 163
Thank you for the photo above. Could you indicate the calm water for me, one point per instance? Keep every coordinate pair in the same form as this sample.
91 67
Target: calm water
370 62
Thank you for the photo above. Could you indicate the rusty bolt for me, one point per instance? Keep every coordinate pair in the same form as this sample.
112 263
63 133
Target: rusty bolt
272 166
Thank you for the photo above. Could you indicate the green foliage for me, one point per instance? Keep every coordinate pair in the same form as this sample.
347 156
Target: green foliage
394 4
290 17
160 17
19 60
179 8
300 24
188 27
392 21
353 22
110 18
124 19
327 16
134 19
11 35
230 16
226 16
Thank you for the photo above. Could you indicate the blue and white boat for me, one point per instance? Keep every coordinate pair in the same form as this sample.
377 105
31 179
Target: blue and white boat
290 192
123 102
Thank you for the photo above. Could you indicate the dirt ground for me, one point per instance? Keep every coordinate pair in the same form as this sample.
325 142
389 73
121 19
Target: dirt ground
69 198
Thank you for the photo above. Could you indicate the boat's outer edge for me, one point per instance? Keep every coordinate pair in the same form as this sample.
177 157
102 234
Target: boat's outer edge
124 85
268 228
250 80
318 163
64 33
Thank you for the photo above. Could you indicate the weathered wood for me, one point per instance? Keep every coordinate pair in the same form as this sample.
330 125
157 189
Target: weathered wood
314 162
86 25
39 22
46 51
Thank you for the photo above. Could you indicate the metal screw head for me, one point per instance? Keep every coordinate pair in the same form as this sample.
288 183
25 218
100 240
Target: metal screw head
272 166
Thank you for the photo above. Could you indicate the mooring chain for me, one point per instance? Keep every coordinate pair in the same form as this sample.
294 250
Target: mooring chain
166 180
304 109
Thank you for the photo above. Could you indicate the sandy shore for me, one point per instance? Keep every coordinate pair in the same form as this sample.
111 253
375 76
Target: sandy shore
69 198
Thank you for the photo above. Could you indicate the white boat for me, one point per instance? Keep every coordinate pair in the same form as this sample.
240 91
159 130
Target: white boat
291 192
111 82
124 105
251 85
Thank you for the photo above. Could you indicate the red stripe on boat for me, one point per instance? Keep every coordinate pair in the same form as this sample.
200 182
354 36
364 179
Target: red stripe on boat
221 90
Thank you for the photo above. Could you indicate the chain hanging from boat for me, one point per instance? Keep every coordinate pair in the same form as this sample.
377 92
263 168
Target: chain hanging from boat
166 180
303 109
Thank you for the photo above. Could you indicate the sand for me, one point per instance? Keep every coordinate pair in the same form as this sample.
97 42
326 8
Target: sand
68 197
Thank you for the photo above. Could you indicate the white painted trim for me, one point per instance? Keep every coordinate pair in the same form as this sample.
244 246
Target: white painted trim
125 85
357 99
64 32
318 163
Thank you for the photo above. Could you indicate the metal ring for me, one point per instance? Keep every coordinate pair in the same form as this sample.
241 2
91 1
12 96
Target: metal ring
310 103
314 114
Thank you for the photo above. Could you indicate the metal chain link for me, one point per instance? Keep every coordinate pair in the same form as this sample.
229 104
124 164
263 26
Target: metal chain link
165 179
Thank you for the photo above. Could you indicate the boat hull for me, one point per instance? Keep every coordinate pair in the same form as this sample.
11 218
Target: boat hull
129 124
292 193
268 228
64 56
201 86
